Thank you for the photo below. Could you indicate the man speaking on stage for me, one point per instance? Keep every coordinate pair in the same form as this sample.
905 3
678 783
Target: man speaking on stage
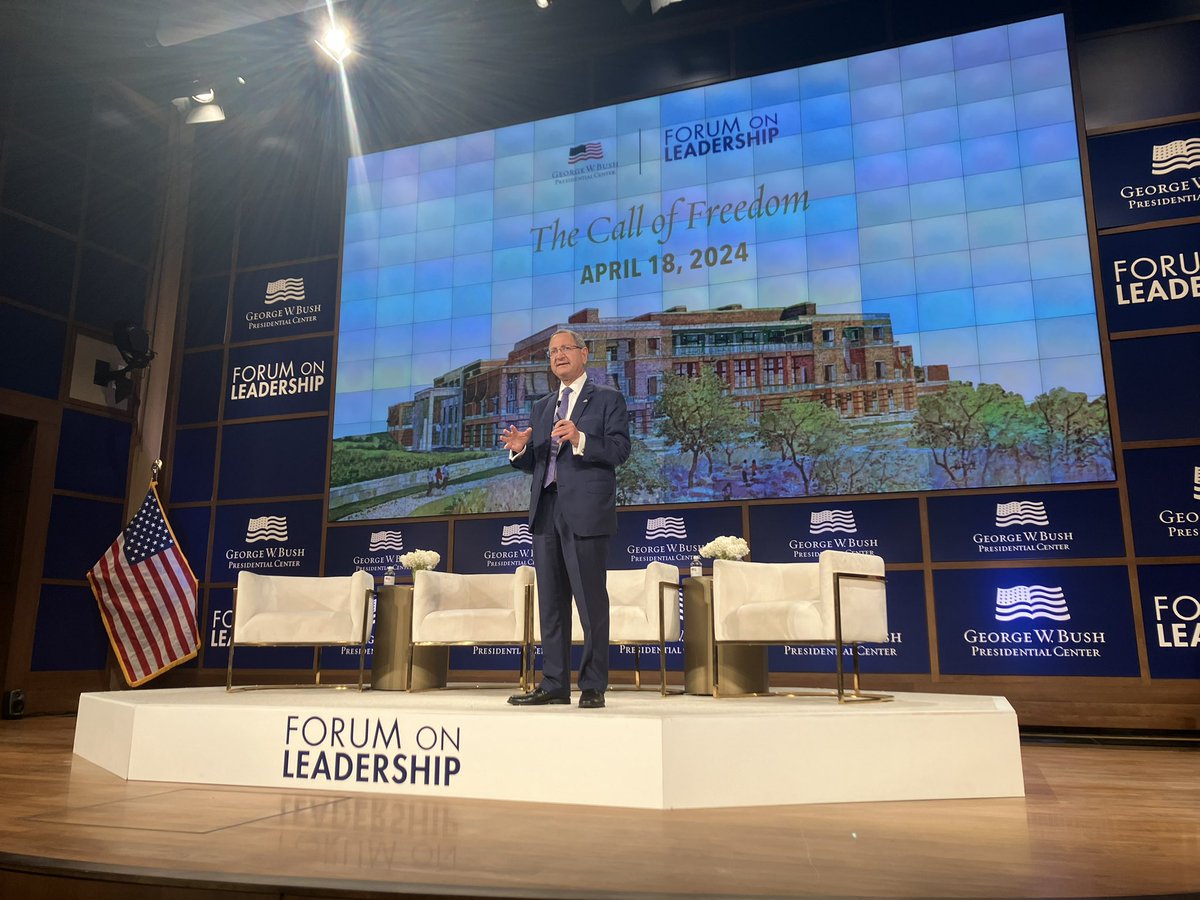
578 436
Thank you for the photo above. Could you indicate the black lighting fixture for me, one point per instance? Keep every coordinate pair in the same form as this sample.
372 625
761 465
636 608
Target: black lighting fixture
133 343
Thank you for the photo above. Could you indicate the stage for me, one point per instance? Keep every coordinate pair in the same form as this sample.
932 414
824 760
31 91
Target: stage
641 751
74 831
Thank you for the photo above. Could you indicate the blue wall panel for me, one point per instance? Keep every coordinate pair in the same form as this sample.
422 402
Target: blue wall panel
194 463
70 634
79 533
93 454
1156 395
273 459
33 364
200 387
1035 621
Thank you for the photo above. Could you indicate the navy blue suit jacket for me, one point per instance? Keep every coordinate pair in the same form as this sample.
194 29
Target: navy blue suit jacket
587 484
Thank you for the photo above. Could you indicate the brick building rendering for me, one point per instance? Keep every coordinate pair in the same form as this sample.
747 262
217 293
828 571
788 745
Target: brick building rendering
851 363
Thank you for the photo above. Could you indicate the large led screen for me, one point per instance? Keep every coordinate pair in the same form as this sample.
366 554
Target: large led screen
862 276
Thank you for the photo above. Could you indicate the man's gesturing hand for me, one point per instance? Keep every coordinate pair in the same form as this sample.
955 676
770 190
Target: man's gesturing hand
514 441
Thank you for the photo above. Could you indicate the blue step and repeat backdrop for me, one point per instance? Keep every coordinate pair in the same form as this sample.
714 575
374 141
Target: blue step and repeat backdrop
853 306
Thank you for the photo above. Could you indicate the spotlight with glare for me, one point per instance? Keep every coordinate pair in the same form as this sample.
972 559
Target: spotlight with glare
336 43
203 113
543 4
200 107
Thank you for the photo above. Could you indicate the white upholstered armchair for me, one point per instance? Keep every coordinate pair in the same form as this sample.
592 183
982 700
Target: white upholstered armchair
301 611
643 608
839 600
475 609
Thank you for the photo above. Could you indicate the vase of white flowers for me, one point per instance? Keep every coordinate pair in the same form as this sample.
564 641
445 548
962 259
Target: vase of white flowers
726 547
416 560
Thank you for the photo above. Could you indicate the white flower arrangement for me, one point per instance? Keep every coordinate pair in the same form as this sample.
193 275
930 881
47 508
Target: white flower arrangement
725 547
415 560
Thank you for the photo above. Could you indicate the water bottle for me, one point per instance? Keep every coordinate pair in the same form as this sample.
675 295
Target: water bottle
389 577
697 567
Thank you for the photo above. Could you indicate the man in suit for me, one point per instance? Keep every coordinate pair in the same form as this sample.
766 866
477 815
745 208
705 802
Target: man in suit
578 436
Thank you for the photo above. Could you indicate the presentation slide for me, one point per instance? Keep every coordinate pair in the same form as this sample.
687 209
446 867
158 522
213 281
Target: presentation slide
862 276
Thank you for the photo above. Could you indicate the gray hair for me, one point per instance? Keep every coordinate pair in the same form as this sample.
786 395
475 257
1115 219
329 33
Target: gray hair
575 336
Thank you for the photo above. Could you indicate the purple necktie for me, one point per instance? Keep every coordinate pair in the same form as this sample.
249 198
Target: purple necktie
564 403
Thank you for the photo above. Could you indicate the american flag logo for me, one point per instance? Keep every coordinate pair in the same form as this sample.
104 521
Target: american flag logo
581 152
516 534
147 596
1196 484
386 540
1031 601
1175 155
826 520
665 527
267 528
286 290
1021 512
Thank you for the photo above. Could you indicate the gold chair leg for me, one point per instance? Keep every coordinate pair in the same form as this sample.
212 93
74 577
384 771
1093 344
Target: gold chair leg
232 644
662 638
368 629
662 666
854 652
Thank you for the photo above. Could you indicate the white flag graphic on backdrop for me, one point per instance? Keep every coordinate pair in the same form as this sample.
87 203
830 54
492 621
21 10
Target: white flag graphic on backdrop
285 290
665 527
1021 512
1031 601
386 540
267 528
1175 155
826 520
516 534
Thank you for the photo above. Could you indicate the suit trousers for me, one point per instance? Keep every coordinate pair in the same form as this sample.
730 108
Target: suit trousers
566 563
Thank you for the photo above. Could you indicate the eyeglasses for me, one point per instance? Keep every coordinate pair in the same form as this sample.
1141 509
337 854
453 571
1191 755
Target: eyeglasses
562 351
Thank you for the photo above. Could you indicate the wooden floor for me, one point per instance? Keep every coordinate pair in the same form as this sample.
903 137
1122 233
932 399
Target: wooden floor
1097 821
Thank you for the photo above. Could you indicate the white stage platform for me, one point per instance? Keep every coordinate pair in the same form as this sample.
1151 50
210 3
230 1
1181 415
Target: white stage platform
641 751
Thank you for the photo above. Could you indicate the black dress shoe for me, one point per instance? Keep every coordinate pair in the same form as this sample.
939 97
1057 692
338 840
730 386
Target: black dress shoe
541 698
591 699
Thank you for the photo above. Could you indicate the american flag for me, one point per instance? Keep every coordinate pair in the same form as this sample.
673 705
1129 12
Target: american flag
147 596
580 152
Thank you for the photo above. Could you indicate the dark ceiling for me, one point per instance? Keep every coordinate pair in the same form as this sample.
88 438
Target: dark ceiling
483 56
153 46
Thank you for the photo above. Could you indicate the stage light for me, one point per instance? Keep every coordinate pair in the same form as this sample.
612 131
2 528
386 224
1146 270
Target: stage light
542 4
205 112
133 343
655 5
200 106
336 43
